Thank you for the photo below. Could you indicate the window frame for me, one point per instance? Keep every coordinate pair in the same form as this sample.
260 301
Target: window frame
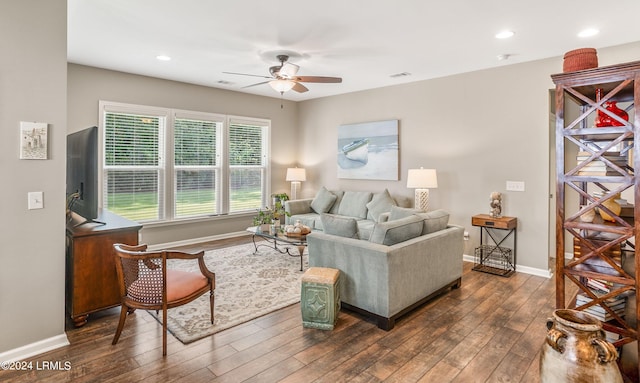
167 182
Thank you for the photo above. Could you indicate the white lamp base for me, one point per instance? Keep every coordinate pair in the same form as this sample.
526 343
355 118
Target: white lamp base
422 199
295 185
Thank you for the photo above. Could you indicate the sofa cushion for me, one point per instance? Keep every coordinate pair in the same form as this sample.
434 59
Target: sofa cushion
336 205
354 204
434 221
365 227
396 231
398 212
340 226
380 203
323 201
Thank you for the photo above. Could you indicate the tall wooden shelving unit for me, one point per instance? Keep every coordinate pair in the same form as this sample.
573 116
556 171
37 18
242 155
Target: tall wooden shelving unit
597 259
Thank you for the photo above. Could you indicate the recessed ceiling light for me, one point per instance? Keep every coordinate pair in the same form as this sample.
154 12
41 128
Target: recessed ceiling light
588 32
163 58
505 34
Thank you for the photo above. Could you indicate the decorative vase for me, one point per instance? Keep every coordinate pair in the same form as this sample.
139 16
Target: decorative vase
588 215
603 119
612 205
576 351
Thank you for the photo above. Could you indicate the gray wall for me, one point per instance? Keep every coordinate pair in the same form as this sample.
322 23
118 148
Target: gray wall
88 85
477 129
33 83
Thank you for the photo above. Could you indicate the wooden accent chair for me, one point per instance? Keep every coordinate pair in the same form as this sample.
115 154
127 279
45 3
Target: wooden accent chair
147 284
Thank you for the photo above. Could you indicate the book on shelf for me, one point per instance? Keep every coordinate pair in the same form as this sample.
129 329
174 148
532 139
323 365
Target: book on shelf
598 167
611 336
603 316
618 309
596 173
582 298
606 317
601 287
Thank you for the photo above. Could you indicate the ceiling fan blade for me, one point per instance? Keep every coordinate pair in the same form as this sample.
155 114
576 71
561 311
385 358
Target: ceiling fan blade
252 85
318 79
246 74
299 88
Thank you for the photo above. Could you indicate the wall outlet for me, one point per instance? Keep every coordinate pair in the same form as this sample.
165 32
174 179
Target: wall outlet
35 200
515 186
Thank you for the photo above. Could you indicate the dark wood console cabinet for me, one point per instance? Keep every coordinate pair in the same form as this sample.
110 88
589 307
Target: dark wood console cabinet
91 279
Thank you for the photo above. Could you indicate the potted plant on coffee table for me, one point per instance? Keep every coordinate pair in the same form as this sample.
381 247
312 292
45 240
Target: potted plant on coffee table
264 219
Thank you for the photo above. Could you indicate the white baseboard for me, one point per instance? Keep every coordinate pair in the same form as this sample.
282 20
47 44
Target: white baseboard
194 241
519 268
35 348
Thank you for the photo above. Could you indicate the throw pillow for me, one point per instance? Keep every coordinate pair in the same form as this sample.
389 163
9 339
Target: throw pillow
354 204
400 230
434 221
323 201
398 212
340 226
336 205
380 203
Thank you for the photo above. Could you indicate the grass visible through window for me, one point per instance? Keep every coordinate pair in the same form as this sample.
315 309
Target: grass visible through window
144 206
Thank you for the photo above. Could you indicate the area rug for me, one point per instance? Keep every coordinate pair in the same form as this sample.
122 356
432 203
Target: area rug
248 286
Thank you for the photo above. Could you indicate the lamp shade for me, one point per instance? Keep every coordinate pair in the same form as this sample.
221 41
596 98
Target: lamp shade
296 174
422 179
282 85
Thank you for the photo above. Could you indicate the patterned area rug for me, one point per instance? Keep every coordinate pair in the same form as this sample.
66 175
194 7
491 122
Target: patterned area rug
248 286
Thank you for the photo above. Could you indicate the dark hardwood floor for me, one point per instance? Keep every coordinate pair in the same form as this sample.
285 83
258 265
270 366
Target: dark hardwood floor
489 330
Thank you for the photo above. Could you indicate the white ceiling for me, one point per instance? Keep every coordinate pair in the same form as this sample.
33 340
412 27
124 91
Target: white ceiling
362 41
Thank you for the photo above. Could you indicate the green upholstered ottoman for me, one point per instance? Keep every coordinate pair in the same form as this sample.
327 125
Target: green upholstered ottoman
320 298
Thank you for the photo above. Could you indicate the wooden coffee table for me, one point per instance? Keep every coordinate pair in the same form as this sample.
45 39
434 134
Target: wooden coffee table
279 238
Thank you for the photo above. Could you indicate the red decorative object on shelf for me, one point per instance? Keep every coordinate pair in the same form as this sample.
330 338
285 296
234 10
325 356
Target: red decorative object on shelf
603 119
580 59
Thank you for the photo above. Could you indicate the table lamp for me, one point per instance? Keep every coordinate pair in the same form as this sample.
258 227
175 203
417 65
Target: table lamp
422 180
296 175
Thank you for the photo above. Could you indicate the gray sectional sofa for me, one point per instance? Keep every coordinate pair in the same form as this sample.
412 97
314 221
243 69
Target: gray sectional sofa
391 259
366 208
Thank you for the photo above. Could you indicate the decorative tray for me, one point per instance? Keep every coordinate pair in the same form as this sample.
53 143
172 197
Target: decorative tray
296 235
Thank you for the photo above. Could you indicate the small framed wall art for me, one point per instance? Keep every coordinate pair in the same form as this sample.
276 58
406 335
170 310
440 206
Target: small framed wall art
33 140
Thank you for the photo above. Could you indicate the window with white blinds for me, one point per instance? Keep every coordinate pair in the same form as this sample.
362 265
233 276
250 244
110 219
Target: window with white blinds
133 166
197 169
163 164
247 165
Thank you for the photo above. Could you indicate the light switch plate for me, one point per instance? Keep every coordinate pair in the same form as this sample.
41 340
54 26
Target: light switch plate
36 200
515 186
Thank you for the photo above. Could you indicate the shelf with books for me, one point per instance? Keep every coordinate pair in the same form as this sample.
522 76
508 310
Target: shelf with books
594 167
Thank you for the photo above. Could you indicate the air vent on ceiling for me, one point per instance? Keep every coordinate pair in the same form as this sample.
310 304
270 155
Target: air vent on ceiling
401 74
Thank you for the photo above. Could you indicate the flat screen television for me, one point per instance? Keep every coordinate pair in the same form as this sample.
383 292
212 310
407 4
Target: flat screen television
82 173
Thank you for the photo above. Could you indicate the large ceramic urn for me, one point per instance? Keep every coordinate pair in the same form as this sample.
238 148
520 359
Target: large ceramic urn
576 351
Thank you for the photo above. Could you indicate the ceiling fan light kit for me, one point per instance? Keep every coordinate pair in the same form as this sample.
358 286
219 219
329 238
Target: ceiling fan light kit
282 85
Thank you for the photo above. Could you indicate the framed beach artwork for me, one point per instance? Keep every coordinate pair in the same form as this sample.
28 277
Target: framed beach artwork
33 140
368 151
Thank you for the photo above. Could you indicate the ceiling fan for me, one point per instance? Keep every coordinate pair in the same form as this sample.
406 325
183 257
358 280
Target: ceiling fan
284 77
